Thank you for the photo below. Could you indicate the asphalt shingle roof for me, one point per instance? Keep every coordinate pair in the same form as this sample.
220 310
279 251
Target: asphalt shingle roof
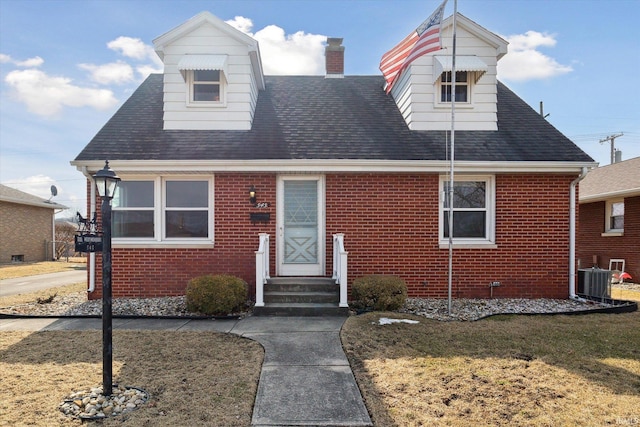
611 180
11 195
310 117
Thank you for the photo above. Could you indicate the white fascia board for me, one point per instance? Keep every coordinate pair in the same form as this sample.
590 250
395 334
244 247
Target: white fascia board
43 204
330 165
500 44
203 17
629 192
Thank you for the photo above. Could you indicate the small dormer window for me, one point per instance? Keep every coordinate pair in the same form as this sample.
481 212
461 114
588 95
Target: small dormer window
206 77
462 87
205 86
469 70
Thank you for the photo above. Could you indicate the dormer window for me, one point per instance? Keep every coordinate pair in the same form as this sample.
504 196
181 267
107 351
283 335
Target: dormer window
205 86
469 69
205 77
462 87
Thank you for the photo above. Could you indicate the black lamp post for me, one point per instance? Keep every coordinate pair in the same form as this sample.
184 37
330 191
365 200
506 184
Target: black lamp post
106 183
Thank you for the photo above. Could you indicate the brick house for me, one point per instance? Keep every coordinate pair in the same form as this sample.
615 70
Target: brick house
27 224
610 217
334 165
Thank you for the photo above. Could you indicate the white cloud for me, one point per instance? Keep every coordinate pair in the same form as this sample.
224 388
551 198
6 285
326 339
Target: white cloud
36 61
145 70
525 62
46 95
295 54
131 48
241 23
36 185
115 72
136 49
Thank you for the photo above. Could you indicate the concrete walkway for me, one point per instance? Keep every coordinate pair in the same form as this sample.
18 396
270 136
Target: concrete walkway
305 380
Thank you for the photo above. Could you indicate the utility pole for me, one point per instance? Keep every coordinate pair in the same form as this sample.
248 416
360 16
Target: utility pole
612 138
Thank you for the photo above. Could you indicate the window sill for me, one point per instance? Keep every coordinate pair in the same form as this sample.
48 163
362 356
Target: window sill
447 105
205 104
612 234
165 244
478 245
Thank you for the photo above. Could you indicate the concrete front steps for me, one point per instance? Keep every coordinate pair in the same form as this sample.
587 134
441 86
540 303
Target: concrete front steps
301 296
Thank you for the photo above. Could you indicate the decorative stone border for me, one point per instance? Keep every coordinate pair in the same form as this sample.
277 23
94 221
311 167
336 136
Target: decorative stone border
93 405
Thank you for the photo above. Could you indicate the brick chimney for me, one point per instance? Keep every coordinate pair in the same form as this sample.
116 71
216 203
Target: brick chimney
334 58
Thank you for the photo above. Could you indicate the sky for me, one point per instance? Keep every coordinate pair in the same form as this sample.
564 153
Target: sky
66 66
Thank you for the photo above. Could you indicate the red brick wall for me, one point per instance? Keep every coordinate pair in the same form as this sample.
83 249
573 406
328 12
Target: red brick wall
166 271
590 241
390 224
391 227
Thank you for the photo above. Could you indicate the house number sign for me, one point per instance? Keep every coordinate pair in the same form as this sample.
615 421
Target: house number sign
88 243
262 205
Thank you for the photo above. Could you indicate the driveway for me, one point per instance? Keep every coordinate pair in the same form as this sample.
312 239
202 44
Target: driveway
23 285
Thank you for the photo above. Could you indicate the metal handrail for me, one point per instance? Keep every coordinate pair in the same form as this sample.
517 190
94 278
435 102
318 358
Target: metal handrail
262 268
340 267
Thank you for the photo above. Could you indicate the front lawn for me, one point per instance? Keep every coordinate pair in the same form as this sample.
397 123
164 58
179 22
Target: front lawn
502 371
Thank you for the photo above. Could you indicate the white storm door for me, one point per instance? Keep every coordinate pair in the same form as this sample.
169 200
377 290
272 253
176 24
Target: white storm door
300 216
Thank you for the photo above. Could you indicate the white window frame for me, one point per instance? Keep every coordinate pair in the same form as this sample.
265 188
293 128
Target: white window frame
159 238
459 104
139 209
190 90
490 223
607 218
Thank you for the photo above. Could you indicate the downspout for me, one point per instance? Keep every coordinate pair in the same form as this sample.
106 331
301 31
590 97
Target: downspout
92 255
53 236
572 235
53 239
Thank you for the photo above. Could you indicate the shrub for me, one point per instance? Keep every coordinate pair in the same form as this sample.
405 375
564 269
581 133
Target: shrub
221 294
379 292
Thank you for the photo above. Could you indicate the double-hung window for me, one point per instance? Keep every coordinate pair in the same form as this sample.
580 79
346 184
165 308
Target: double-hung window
473 210
186 209
206 78
469 70
163 209
133 210
614 218
205 86
462 86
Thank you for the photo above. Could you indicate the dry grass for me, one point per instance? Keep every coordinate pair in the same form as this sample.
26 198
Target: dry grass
11 271
10 300
504 371
194 378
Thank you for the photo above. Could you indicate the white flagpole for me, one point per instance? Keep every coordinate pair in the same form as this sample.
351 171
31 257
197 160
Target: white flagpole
451 158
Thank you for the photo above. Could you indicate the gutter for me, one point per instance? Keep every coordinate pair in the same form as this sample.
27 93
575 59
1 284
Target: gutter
92 255
572 235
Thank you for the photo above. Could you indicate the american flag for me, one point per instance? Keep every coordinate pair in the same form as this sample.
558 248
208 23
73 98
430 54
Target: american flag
425 39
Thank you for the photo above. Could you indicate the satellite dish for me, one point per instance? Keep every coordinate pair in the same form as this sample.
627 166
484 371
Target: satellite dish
54 191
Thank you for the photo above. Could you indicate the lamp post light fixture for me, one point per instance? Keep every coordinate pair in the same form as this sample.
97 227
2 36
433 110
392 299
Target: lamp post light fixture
106 182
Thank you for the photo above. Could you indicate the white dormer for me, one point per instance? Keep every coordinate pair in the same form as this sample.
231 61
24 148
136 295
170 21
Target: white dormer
212 75
423 92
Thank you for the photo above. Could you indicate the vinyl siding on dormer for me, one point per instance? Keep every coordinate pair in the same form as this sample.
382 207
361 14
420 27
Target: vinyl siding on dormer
417 96
240 93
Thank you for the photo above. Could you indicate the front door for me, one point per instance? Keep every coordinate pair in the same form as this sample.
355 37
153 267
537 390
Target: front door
300 216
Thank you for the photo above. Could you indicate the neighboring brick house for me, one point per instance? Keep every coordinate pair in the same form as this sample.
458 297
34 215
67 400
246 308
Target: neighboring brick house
27 229
329 156
610 217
